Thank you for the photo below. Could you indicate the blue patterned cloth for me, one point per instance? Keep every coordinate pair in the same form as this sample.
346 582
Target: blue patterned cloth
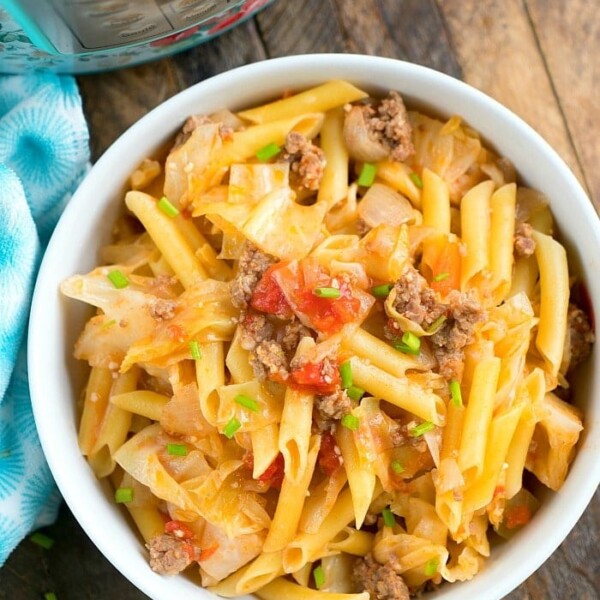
43 155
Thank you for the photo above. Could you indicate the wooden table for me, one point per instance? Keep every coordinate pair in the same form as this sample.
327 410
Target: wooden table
538 57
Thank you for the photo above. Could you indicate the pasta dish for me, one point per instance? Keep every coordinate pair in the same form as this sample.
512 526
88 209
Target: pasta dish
331 350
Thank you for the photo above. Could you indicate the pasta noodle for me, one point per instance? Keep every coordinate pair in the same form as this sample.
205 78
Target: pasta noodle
330 345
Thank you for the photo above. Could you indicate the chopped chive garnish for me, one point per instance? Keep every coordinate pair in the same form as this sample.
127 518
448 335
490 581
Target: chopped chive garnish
456 393
108 324
195 350
319 576
123 495
367 175
177 449
231 427
437 324
397 467
441 276
416 180
50 596
268 151
382 291
355 393
431 567
168 208
422 428
388 517
118 279
246 402
346 374
350 422
410 344
42 540
412 341
327 292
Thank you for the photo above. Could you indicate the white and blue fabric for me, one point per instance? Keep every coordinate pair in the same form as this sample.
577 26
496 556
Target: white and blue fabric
44 153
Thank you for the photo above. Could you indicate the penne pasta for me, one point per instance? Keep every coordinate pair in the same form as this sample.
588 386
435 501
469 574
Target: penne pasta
324 359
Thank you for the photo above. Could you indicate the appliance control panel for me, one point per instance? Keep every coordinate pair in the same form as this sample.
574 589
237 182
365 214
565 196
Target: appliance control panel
79 26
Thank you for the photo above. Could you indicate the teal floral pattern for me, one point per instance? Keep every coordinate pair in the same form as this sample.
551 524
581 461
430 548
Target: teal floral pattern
43 156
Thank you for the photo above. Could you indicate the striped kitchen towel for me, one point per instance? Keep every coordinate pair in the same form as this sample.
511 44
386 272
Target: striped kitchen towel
43 155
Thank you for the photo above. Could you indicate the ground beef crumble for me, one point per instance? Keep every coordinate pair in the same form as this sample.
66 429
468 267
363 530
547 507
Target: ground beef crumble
193 122
416 301
271 346
380 581
581 335
307 161
168 555
332 407
464 313
163 310
251 267
385 124
524 242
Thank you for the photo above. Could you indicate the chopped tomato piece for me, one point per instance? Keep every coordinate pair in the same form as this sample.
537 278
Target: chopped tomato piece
179 530
274 472
298 280
317 378
329 457
268 297
516 516
441 263
329 315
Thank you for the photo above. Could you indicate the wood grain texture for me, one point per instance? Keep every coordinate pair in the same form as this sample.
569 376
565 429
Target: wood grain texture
498 51
411 30
539 57
568 32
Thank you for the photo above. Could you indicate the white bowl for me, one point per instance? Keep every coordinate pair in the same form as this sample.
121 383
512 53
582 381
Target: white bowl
56 378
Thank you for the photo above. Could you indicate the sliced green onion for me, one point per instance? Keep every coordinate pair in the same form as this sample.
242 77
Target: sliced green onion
50 596
327 292
397 467
350 421
177 449
441 276
108 324
355 393
414 177
412 341
346 374
231 427
246 402
42 540
118 279
123 495
382 291
422 428
388 517
195 350
169 209
268 151
437 324
410 344
367 175
456 393
319 576
431 567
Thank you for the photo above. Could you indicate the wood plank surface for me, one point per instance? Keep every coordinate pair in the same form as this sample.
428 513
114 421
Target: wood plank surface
568 33
538 57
